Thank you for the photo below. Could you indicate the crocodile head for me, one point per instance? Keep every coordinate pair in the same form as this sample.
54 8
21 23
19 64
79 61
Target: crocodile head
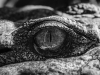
39 40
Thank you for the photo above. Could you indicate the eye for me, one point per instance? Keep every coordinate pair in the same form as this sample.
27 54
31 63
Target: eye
45 41
51 38
48 40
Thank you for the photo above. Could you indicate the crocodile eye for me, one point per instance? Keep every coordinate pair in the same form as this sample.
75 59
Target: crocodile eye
51 38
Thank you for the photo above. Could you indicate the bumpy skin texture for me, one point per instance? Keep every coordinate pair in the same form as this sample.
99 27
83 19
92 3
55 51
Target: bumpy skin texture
80 21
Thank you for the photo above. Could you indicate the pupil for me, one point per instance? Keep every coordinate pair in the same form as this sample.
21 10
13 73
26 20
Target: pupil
50 38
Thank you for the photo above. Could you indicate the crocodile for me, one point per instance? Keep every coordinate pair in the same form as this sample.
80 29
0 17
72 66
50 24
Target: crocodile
41 40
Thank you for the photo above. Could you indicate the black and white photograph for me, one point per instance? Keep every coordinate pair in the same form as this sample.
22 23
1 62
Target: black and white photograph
49 37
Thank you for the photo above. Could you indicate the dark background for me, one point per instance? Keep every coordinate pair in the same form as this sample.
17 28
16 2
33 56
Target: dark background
52 3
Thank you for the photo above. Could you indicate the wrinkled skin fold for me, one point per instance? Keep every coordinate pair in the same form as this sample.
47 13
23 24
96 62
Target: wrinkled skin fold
77 54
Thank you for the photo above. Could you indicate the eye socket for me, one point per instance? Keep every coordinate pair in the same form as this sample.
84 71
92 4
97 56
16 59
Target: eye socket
52 38
47 39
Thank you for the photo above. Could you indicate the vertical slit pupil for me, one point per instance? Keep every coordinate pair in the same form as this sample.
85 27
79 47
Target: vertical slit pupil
49 37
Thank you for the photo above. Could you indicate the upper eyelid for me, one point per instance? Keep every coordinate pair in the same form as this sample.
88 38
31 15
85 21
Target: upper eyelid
76 25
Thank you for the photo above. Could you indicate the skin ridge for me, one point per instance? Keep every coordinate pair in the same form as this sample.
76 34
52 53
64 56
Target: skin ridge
83 64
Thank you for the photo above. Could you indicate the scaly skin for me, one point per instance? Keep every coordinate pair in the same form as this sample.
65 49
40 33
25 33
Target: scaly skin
22 60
